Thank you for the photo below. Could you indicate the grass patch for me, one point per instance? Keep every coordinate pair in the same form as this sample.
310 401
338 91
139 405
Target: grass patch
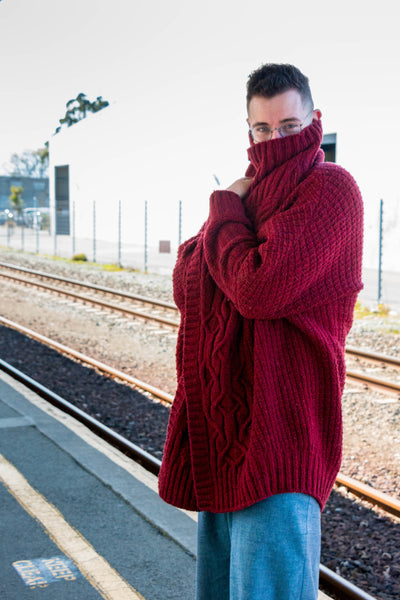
53 257
361 311
381 318
112 267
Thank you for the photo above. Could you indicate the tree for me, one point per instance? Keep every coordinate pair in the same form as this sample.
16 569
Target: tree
43 154
34 163
78 108
30 163
16 199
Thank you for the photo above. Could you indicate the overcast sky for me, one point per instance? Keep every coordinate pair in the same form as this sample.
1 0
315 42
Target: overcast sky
185 62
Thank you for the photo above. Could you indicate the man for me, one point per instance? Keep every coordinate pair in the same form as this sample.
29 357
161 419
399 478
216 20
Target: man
266 292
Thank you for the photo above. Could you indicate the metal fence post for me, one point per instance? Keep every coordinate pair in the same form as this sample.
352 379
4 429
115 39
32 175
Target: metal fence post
180 224
94 230
55 231
119 232
36 223
145 236
380 252
73 228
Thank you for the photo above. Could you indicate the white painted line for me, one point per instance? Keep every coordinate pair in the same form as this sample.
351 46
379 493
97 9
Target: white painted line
98 572
89 437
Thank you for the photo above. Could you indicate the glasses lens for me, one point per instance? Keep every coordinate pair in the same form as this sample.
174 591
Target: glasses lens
290 129
261 134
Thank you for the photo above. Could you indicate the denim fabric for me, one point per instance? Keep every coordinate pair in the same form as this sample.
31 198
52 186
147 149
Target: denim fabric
269 551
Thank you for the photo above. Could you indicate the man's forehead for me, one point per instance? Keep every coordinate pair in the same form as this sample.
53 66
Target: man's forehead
281 107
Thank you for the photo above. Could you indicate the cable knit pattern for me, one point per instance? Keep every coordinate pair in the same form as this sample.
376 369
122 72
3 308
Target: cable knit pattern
266 292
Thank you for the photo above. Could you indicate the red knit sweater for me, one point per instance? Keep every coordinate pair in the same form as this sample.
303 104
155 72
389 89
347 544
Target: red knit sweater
266 292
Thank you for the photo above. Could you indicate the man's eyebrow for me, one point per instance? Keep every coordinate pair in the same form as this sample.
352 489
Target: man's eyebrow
287 120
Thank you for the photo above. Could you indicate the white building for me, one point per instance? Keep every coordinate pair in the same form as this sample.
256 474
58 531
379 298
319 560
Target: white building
115 155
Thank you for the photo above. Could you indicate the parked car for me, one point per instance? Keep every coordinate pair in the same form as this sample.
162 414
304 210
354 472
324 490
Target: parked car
33 217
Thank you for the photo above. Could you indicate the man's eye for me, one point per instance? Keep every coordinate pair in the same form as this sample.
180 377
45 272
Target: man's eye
263 129
290 126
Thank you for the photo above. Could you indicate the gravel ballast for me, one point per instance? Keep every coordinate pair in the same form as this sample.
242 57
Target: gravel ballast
359 543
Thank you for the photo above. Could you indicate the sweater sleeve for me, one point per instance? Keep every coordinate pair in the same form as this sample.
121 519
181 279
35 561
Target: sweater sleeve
298 258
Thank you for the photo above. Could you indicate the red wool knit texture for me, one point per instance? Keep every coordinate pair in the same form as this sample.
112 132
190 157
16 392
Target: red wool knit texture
266 292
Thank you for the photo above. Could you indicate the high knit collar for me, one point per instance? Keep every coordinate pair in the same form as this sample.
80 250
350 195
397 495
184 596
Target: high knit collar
267 156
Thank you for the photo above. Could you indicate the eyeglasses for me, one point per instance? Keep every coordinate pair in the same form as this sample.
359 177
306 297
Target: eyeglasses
263 133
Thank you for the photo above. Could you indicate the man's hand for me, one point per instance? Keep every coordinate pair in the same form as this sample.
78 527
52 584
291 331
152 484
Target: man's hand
241 186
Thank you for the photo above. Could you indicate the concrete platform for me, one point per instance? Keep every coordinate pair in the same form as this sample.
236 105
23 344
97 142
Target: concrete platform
79 519
69 500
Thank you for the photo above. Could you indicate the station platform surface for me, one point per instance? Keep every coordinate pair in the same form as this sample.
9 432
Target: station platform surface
79 520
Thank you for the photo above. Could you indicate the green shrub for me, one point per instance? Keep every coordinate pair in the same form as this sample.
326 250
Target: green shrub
79 257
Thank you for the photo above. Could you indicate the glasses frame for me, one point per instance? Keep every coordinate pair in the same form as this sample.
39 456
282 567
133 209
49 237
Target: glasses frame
279 129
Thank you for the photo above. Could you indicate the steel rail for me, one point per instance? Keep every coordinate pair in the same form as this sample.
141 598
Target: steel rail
340 585
334 582
380 384
375 356
367 380
373 496
101 303
389 504
90 361
357 352
92 286
138 454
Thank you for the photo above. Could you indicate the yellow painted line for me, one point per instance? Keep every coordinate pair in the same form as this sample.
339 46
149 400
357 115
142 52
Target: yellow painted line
93 567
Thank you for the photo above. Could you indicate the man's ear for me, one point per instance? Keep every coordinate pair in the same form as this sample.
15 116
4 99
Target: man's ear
317 114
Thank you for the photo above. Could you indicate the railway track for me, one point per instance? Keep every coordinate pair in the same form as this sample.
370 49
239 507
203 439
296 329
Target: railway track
154 307
343 589
63 286
368 493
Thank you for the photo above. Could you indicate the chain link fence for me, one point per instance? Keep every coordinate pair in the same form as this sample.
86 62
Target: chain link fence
107 235
135 238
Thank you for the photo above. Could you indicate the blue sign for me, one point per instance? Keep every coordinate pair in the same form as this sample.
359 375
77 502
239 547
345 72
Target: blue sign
39 572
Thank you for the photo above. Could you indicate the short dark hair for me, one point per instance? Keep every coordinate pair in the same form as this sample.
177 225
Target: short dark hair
271 79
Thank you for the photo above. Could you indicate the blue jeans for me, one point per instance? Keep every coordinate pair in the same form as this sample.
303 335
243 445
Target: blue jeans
269 551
